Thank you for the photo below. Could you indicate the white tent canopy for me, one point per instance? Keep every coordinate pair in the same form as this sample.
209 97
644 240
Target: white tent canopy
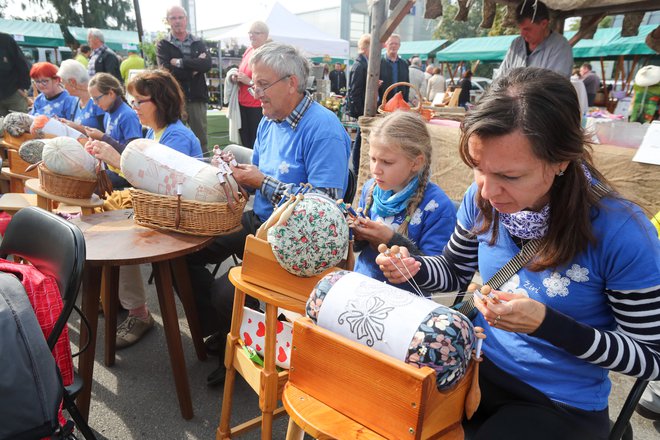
286 27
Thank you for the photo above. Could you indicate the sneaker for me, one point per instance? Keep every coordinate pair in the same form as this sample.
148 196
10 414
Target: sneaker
131 330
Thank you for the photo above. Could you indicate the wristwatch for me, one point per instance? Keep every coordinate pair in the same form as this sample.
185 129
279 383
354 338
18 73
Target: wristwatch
179 63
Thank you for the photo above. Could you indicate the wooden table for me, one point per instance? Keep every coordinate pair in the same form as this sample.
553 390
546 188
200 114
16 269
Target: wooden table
45 199
112 239
11 203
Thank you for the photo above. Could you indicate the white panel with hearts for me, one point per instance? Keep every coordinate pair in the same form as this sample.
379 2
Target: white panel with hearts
253 330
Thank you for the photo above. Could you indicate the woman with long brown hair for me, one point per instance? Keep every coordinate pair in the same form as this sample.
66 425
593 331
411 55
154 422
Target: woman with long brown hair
588 300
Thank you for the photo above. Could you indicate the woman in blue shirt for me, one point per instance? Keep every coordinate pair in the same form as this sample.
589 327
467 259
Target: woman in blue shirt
159 104
53 100
120 122
75 80
586 303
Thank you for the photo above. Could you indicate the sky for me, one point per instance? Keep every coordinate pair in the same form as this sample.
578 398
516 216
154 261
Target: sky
210 13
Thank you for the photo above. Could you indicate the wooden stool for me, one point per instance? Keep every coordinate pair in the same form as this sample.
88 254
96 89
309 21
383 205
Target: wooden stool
16 180
45 199
341 389
13 202
263 278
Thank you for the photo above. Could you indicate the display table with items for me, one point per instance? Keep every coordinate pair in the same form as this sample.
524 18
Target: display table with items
637 181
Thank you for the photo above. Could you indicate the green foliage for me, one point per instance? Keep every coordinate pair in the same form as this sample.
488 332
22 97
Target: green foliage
452 30
103 14
606 22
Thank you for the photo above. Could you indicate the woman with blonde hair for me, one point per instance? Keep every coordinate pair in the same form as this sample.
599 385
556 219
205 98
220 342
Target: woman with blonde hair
400 204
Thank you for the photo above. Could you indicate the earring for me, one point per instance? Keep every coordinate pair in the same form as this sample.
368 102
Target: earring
560 173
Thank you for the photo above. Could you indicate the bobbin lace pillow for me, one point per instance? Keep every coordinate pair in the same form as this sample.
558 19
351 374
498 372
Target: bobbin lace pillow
443 339
312 239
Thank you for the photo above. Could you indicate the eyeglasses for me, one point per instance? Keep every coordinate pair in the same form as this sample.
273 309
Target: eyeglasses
42 82
138 103
260 91
96 99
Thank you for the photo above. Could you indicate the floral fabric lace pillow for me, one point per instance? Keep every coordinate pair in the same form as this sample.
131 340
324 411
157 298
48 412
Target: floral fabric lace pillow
312 239
444 339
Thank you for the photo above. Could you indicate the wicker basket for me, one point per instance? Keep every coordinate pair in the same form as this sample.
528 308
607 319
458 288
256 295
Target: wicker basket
65 186
195 218
426 114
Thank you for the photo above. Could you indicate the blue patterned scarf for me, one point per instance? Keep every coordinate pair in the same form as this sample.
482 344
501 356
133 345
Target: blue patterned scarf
388 203
530 225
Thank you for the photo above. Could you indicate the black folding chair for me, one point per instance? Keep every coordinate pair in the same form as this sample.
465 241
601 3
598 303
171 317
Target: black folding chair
57 248
622 429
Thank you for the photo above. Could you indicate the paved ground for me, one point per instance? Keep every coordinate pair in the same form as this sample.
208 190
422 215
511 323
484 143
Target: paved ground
135 399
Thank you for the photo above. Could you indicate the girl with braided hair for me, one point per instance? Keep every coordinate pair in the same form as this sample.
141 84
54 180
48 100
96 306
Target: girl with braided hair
401 206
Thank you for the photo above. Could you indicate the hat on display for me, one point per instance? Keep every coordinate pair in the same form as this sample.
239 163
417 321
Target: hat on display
648 76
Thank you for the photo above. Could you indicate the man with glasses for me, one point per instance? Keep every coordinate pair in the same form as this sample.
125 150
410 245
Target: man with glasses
103 59
298 141
188 59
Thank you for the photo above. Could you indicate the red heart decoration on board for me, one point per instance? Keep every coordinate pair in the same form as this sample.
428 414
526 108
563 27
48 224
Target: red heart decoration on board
280 327
247 339
282 355
288 345
249 320
261 329
257 347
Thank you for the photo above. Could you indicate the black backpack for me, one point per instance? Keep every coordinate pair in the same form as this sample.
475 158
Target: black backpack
30 384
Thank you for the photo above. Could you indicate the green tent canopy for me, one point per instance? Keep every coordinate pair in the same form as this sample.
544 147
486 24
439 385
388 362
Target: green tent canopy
32 33
424 48
477 48
37 34
607 42
115 40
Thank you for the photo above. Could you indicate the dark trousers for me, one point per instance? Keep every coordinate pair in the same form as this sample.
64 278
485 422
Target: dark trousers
250 118
355 152
214 298
510 409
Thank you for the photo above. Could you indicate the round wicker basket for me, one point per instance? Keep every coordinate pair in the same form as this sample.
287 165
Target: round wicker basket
186 216
65 186
386 94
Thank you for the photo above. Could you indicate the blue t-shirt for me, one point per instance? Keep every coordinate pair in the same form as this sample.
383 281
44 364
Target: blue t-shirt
122 124
180 138
430 228
576 290
89 115
63 105
316 152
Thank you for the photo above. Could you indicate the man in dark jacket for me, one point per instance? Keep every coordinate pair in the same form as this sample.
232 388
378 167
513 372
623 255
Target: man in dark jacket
103 59
338 80
393 69
188 59
14 76
356 91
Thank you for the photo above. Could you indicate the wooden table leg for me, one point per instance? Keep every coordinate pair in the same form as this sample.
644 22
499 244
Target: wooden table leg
268 395
110 295
182 278
163 279
90 308
293 431
44 203
224 429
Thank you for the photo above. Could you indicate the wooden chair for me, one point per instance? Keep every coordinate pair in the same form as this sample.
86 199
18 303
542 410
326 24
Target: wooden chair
341 389
261 277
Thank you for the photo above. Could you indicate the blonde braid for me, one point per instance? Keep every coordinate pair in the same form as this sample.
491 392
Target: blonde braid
370 199
415 199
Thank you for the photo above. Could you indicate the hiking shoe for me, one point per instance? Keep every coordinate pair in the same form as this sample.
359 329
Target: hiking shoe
217 377
131 330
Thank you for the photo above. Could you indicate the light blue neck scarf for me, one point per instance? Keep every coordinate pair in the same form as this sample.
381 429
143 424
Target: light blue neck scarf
387 203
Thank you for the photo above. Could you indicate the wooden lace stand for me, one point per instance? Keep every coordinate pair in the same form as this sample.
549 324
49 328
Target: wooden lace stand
338 388
261 277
